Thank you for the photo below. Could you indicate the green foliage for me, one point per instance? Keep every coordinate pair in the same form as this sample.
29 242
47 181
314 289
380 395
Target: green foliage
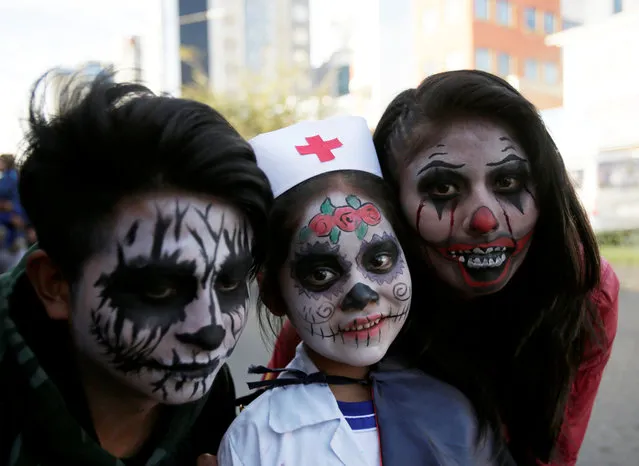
619 238
261 104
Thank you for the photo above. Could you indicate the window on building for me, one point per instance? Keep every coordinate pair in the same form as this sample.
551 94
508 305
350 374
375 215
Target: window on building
483 60
300 36
551 73
549 23
617 6
481 9
504 12
503 64
300 13
300 57
531 69
530 18
343 80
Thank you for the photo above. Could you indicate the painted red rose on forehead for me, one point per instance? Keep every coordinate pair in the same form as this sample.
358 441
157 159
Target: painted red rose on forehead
355 216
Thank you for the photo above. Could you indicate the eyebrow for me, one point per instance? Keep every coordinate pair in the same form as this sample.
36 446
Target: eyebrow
164 267
507 159
440 164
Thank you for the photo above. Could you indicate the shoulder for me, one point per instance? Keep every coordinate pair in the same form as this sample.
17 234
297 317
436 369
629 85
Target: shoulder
606 298
250 432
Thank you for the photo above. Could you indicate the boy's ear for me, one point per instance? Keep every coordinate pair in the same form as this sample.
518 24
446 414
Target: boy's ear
49 284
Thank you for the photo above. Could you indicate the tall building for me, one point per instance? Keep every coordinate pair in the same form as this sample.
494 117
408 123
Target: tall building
504 37
228 38
579 12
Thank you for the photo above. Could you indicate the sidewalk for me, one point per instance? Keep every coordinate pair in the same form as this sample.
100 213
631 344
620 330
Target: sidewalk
628 277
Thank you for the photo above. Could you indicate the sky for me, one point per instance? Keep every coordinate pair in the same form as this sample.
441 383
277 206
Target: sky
36 35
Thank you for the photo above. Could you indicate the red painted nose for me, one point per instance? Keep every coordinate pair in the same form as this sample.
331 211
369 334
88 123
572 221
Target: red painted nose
483 220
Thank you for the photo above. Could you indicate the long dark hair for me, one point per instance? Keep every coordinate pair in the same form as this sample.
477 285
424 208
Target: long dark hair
514 353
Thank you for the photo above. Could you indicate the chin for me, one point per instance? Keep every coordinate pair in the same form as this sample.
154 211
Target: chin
173 390
362 357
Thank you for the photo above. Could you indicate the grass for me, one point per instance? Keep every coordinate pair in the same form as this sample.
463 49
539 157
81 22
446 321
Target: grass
621 255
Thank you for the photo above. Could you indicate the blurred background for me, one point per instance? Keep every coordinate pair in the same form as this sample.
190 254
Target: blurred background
269 63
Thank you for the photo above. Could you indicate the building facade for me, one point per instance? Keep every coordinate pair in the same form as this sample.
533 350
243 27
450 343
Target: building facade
503 37
228 39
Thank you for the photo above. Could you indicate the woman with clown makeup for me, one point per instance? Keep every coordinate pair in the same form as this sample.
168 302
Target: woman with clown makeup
335 267
522 310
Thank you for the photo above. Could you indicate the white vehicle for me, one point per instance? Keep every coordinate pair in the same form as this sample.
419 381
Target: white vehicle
608 185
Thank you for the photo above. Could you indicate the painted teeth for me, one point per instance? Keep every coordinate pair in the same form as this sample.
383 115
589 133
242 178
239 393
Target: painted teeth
357 328
484 262
467 252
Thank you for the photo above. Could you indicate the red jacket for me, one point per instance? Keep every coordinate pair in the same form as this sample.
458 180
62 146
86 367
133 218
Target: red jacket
584 389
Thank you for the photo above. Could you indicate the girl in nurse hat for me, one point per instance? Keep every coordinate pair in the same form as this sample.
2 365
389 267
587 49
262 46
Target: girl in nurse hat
337 270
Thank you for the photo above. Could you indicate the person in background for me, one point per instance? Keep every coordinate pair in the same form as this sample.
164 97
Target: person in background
114 332
13 242
522 308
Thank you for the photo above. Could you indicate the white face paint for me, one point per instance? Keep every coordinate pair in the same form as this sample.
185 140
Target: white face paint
163 305
346 282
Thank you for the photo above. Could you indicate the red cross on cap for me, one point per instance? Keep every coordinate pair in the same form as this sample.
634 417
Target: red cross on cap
323 149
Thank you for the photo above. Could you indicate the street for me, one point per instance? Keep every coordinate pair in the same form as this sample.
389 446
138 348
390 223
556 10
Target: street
613 435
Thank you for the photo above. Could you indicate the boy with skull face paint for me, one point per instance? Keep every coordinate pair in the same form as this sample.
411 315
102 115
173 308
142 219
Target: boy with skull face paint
115 332
336 268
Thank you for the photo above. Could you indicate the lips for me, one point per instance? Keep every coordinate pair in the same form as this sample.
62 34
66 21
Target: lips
187 371
485 264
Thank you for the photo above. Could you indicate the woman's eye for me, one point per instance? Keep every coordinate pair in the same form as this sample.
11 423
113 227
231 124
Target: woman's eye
443 190
321 277
507 183
382 262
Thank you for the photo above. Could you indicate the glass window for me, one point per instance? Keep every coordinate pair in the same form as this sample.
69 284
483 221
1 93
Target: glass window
483 60
300 13
549 23
481 9
531 69
530 18
617 6
503 12
551 73
503 64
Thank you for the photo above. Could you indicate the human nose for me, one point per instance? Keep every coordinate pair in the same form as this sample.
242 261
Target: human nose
482 221
208 338
359 297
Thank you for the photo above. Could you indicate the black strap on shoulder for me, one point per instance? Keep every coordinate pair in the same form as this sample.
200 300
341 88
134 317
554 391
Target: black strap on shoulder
299 378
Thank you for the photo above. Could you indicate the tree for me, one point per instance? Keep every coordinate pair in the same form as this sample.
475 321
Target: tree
260 104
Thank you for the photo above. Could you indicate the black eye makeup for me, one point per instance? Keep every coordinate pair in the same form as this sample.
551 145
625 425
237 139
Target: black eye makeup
319 266
441 183
380 258
511 178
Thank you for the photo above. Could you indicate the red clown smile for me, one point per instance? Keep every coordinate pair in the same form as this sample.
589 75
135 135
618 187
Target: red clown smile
485 264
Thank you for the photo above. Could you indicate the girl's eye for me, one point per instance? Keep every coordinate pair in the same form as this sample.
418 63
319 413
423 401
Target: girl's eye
381 262
321 276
